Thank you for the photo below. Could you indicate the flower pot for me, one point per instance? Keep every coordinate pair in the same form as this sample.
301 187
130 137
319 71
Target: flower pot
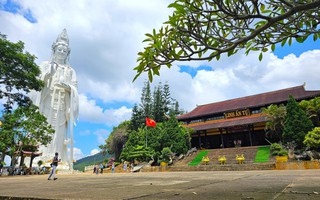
282 158
163 164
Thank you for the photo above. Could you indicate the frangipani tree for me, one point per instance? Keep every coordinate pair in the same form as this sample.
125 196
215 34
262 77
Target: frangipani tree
205 29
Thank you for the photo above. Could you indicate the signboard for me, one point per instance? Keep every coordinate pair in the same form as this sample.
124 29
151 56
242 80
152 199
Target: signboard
237 113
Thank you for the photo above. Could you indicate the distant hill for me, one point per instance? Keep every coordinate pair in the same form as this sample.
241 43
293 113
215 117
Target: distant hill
90 160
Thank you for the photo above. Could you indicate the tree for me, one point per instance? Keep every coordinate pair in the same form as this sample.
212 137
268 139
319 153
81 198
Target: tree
312 139
296 124
275 115
312 109
158 107
168 134
137 118
18 73
155 106
117 139
146 100
205 29
25 126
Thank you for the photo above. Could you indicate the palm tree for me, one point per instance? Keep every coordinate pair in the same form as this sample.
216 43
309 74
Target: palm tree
275 115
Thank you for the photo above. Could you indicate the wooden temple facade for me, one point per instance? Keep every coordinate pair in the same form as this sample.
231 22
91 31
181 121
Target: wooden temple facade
237 122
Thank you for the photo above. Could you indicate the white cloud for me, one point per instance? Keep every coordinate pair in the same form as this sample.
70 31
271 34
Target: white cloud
105 37
77 153
102 135
242 76
91 112
94 151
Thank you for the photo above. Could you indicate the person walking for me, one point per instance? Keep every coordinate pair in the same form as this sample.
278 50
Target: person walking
125 166
101 168
54 165
112 167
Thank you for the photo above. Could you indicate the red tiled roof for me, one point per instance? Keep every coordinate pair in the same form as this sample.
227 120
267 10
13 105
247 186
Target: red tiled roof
257 100
229 122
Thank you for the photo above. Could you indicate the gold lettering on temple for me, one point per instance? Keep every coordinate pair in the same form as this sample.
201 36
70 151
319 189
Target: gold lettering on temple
237 113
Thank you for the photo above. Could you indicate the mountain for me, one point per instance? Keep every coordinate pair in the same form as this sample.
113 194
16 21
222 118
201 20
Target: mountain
91 160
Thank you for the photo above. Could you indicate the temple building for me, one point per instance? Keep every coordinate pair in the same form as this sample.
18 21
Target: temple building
238 122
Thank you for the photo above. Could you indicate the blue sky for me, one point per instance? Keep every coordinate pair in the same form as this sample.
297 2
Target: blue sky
105 37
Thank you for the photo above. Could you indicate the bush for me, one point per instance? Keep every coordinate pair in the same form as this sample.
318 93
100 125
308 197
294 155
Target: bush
283 152
165 155
274 153
312 139
275 147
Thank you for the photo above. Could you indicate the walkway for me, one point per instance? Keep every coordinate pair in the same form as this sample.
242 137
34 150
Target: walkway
266 184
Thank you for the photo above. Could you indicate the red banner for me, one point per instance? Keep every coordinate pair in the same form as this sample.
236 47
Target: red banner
150 122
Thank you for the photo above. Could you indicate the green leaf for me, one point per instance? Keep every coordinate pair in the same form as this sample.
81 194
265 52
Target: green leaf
300 39
284 42
262 7
315 37
155 70
220 23
273 47
231 52
260 56
150 76
290 41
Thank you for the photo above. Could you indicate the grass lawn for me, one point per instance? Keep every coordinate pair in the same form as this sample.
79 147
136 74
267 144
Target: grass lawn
263 154
198 158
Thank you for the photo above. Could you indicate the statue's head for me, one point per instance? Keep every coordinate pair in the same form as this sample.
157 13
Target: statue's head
60 48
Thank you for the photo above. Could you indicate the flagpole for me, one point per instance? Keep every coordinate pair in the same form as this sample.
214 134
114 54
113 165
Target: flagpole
146 137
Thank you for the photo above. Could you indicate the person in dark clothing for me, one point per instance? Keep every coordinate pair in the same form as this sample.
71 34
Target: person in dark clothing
54 165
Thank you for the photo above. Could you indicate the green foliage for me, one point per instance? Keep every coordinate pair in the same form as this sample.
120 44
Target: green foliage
312 109
203 30
168 134
282 152
25 125
278 150
275 115
274 153
117 139
156 104
312 139
296 124
18 73
40 162
140 153
275 147
165 155
263 154
196 161
91 160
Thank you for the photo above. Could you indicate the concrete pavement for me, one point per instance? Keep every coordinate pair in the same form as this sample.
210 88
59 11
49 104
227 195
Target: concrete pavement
265 184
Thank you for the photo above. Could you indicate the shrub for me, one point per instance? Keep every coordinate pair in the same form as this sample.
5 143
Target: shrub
283 152
274 153
312 139
275 147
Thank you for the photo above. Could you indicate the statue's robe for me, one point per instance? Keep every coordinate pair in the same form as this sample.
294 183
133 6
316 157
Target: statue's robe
59 105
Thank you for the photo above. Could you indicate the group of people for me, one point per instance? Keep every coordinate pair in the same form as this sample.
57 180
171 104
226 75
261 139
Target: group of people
100 168
96 168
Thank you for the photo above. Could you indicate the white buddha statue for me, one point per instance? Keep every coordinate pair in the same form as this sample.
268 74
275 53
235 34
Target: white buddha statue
58 101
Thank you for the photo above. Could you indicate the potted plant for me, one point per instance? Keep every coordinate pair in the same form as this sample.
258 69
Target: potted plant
279 152
282 156
165 156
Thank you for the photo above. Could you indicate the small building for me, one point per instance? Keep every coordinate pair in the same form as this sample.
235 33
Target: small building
237 122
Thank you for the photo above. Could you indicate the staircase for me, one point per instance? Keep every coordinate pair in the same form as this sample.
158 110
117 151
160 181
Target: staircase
231 163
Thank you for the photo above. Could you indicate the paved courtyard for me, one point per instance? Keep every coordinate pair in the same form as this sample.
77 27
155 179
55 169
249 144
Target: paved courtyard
266 184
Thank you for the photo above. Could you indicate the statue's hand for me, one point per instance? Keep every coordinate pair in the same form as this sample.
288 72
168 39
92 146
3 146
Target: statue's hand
64 85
